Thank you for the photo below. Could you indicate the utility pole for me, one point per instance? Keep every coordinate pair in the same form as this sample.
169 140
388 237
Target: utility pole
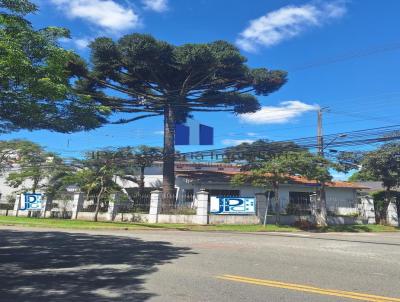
320 211
320 135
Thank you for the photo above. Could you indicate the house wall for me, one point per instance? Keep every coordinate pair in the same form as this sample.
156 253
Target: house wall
6 190
343 200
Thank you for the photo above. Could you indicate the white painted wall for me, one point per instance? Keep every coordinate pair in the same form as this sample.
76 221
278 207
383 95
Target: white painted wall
336 197
6 190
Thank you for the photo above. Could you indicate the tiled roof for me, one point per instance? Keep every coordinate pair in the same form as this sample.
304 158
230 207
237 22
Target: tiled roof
226 175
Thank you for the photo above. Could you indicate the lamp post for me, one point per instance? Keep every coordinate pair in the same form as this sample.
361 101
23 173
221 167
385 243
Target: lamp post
333 140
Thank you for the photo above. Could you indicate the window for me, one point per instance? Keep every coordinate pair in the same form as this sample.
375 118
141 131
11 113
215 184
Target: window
299 197
299 203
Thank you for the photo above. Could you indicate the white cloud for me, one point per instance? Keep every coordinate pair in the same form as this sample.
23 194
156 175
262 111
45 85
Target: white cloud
81 43
283 113
106 14
156 5
252 134
235 142
287 22
159 132
77 43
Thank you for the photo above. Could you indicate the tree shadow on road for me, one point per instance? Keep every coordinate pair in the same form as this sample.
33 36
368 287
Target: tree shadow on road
56 266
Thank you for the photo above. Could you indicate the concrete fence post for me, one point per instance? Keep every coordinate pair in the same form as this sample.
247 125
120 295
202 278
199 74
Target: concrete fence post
367 210
17 204
261 204
392 218
77 204
201 201
45 204
155 205
113 207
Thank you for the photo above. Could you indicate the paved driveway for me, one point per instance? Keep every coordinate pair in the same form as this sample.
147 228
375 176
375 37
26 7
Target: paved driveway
50 265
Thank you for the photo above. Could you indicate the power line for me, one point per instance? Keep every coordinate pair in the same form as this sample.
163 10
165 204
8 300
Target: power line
350 56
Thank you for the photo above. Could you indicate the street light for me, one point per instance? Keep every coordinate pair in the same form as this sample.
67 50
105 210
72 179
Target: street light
334 139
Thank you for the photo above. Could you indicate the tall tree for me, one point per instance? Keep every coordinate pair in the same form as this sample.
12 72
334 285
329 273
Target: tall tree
8 154
383 165
281 168
132 162
35 82
96 176
154 78
271 174
315 167
35 167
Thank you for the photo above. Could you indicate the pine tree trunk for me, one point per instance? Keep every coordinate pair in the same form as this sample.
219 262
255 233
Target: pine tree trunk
169 157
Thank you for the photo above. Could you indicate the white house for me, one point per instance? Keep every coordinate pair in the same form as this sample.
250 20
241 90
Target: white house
296 193
342 197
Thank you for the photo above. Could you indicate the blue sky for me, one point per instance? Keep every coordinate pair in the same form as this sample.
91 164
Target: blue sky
341 54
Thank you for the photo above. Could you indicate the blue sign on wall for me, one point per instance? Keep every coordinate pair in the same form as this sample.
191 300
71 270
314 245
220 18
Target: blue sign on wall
233 205
31 202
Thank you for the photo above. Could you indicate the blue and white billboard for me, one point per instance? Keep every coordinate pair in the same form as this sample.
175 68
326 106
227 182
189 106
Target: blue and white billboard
31 202
233 205
193 133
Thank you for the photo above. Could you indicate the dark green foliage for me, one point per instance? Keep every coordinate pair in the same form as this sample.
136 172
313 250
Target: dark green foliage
134 160
193 77
96 176
349 160
37 169
18 6
362 176
35 90
383 165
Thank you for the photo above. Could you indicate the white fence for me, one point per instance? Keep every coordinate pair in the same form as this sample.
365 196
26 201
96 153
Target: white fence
194 209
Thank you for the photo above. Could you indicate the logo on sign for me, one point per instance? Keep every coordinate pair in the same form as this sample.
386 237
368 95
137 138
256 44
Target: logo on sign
31 202
232 205
193 133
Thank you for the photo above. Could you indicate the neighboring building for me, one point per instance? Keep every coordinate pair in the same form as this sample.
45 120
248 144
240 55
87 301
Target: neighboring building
374 186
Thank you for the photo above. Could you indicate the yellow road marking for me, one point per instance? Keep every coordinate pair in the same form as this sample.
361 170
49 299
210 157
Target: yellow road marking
310 289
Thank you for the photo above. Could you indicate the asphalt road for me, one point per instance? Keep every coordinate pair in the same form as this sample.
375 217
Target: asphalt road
50 265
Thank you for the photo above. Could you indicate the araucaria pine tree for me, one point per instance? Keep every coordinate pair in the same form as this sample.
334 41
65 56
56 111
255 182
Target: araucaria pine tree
144 77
